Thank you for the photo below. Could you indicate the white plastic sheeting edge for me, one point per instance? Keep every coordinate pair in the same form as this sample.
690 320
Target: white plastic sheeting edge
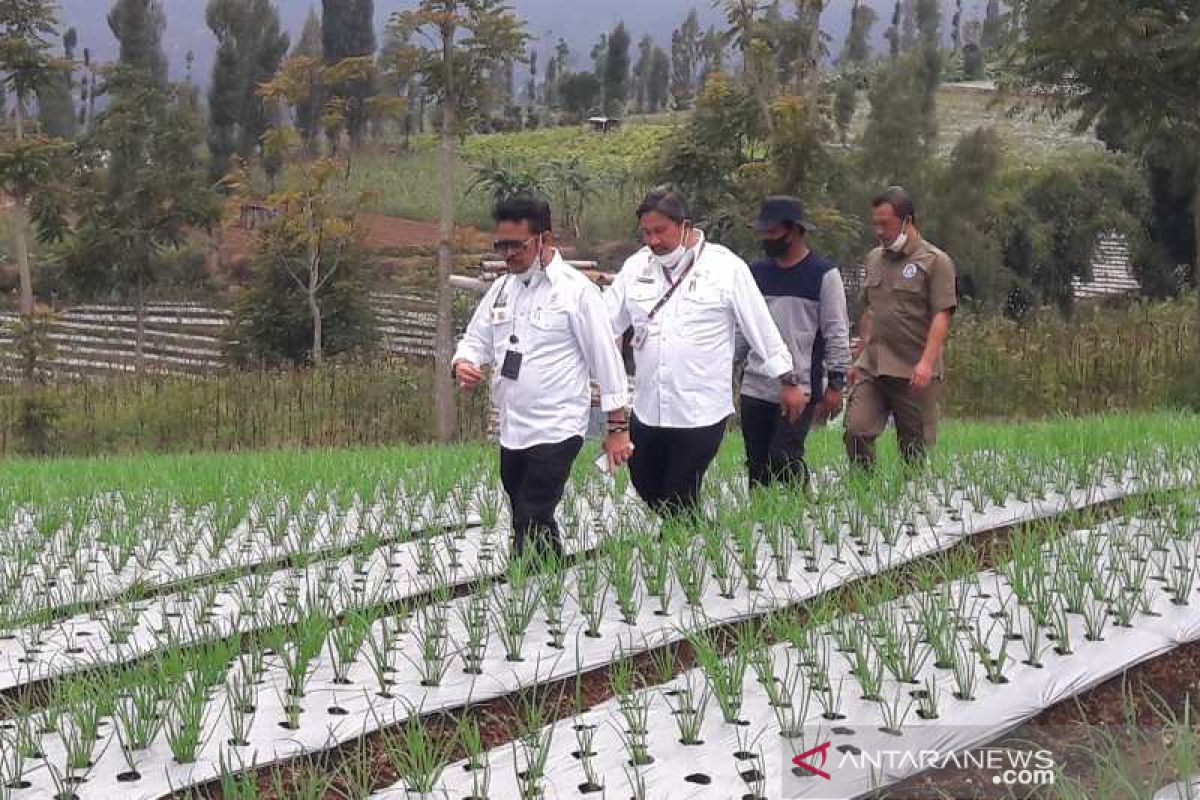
884 758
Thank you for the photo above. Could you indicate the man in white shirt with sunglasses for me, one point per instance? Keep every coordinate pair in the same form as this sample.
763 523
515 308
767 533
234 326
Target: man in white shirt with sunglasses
545 331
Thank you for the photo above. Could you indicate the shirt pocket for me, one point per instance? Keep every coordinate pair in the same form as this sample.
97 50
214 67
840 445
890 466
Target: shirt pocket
549 324
912 293
702 300
642 298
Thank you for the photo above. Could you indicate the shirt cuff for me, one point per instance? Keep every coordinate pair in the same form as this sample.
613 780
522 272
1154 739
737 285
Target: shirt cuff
614 402
777 366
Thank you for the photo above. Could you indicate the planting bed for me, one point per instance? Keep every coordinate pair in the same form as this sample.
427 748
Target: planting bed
251 632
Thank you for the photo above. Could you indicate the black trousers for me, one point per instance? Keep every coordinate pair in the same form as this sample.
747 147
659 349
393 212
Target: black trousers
775 446
668 464
534 480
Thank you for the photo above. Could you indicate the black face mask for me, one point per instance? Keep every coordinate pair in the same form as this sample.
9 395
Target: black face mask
777 248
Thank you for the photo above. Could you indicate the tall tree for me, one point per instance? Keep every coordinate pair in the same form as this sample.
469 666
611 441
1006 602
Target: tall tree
685 53
1141 82
893 32
616 72
993 26
138 26
467 38
308 114
810 50
348 31
641 73
250 47
856 52
658 87
126 223
56 98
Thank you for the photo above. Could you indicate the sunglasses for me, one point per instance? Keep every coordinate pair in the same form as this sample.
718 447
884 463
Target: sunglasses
503 246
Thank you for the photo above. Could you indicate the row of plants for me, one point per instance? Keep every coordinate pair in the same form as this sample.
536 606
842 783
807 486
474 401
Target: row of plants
948 665
365 663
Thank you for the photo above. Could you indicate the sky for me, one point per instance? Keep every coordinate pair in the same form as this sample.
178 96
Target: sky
580 22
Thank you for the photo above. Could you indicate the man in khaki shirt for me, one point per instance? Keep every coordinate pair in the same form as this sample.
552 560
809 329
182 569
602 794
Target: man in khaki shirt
910 297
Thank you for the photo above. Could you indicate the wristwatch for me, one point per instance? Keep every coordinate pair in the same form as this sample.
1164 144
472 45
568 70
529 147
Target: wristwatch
837 381
789 379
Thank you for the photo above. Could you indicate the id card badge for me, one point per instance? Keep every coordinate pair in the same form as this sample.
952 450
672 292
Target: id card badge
511 368
500 315
640 334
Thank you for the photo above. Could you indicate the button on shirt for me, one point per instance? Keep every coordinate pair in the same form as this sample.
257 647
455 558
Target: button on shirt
685 367
903 292
561 327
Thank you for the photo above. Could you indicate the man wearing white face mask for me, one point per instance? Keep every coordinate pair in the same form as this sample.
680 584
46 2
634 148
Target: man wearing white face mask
685 299
910 297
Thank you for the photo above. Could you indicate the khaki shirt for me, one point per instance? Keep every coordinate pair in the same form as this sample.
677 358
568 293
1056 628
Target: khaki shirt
903 292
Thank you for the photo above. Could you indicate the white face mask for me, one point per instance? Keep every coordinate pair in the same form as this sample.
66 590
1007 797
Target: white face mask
901 241
674 258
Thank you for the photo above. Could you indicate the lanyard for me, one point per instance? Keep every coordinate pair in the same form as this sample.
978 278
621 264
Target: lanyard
675 286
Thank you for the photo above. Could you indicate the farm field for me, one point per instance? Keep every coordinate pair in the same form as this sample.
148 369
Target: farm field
333 623
619 164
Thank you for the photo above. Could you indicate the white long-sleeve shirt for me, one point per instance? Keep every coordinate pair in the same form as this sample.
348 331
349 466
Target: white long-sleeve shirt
685 367
564 336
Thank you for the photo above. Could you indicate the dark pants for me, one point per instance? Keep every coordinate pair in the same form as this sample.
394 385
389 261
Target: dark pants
534 480
668 464
774 446
915 411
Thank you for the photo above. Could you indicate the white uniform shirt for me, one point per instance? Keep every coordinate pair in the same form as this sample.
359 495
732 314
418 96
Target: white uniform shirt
685 367
564 336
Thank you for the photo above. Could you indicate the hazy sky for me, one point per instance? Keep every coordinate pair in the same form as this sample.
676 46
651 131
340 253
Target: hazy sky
580 22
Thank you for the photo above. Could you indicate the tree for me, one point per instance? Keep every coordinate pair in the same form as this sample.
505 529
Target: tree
810 48
616 72
659 83
126 222
1061 210
1136 67
26 66
856 52
901 135
641 73
312 258
138 26
893 33
250 48
579 94
466 38
348 31
308 115
993 26
55 98
962 213
685 46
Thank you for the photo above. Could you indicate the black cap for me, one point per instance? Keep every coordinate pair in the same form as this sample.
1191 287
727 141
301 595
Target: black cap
781 211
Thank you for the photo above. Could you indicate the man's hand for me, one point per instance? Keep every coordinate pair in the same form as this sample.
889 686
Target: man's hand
857 346
853 377
830 407
467 375
618 448
922 375
792 402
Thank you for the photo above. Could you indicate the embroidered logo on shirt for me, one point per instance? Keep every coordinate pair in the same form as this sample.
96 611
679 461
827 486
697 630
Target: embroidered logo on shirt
910 272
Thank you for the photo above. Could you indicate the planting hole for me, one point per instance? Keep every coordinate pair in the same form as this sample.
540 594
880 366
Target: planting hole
699 778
